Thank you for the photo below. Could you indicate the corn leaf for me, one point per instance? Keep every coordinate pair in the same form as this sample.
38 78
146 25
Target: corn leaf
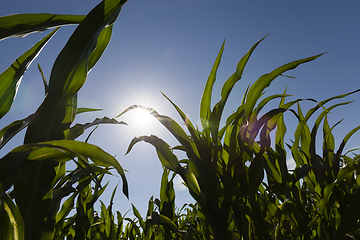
12 129
84 110
206 97
350 216
137 214
12 226
157 219
10 79
65 150
69 72
216 113
303 125
264 81
20 25
46 84
173 127
186 120
79 129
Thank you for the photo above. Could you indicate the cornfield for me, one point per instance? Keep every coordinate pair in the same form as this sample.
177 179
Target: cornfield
236 172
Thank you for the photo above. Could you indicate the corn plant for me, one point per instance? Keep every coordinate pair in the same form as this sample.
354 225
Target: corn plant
240 179
33 179
163 220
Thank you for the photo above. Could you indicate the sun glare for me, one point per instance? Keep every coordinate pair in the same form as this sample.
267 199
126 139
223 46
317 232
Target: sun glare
140 119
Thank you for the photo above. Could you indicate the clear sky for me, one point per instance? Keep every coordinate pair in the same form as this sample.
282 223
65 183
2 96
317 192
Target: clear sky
170 46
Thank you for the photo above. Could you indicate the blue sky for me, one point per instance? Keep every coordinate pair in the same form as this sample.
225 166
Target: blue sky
170 46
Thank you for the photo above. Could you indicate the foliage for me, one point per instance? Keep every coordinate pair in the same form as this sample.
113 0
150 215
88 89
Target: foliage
33 179
237 173
240 179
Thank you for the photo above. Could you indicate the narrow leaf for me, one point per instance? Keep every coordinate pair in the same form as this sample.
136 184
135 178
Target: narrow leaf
206 97
264 81
12 129
20 25
12 225
10 79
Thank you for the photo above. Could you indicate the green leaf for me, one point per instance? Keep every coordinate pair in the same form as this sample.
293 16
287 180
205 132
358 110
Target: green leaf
346 139
66 207
46 84
12 129
264 81
157 219
79 129
12 225
65 150
280 126
303 125
216 113
206 97
137 214
10 79
20 25
85 46
173 127
329 140
191 182
186 120
167 158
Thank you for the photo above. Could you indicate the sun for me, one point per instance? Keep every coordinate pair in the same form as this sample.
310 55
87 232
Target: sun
140 119
136 111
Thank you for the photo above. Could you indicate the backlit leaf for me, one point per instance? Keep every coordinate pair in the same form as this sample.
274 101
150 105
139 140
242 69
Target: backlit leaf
10 79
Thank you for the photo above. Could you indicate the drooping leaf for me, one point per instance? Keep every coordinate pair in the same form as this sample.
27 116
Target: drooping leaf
167 158
12 129
96 154
20 25
157 219
65 150
79 129
173 127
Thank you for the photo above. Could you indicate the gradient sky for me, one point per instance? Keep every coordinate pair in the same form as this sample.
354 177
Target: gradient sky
170 46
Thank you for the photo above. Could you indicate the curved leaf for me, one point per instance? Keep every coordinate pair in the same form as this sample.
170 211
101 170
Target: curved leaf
303 125
46 85
216 113
20 25
186 120
173 127
79 129
167 158
65 150
264 81
12 129
12 225
157 219
69 72
10 79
